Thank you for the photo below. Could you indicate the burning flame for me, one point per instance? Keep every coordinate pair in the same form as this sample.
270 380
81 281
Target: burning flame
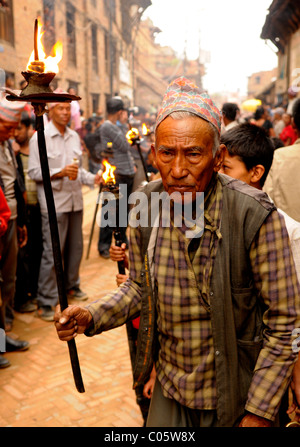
145 129
51 62
108 174
132 134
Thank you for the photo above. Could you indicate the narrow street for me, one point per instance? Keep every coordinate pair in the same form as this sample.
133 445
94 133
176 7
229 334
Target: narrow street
38 389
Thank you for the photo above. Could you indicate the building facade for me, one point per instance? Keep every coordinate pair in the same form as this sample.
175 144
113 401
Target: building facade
97 38
282 28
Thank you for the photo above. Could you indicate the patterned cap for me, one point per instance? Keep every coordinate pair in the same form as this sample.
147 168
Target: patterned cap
10 111
183 95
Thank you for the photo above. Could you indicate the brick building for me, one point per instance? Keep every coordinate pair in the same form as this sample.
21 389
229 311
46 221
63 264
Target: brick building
97 38
282 28
261 85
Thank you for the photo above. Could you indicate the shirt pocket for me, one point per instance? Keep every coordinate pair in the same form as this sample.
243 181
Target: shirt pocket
55 160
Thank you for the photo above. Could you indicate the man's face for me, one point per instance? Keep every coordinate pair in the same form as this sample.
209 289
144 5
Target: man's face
61 114
183 155
21 134
235 167
7 130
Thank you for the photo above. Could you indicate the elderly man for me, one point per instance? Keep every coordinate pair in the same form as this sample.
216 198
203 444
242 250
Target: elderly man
217 311
67 177
16 234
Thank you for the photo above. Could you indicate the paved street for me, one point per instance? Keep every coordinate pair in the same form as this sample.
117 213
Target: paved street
38 389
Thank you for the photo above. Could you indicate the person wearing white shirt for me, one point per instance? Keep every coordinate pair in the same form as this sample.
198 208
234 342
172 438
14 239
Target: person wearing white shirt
67 176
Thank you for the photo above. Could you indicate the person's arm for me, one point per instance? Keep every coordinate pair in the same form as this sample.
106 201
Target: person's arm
116 137
275 277
110 311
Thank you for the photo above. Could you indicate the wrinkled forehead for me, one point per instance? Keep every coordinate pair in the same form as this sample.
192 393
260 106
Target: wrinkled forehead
8 125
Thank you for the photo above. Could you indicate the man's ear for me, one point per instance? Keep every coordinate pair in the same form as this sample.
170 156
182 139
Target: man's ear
257 173
153 152
219 157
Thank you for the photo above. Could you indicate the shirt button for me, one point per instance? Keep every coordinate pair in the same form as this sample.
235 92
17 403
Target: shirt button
211 293
217 352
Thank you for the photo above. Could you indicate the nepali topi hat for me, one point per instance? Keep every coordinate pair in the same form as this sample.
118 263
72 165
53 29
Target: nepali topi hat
183 95
11 111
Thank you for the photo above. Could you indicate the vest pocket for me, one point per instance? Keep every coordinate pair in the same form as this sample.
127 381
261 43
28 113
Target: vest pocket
247 313
247 356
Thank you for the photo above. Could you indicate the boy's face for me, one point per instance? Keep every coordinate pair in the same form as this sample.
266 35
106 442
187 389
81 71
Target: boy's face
236 168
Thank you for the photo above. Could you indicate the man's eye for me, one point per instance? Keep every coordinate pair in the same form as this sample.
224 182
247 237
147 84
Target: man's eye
166 153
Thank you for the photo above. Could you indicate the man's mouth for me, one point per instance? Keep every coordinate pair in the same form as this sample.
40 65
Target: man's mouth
181 187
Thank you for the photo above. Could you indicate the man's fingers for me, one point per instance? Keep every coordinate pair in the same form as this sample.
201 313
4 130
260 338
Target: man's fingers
65 322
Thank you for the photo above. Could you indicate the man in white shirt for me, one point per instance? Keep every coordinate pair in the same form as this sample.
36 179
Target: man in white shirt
67 176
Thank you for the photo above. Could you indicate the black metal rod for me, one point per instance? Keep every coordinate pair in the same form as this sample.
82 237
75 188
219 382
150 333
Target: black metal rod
56 245
119 242
94 221
142 160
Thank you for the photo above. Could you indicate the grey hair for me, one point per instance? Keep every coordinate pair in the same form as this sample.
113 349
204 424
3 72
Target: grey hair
182 114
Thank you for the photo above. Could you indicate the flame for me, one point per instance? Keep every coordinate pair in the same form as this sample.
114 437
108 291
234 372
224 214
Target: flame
51 62
132 134
108 174
145 129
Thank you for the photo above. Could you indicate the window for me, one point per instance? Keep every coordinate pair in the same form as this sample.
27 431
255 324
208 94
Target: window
49 25
71 35
106 52
74 85
94 49
95 102
110 9
7 21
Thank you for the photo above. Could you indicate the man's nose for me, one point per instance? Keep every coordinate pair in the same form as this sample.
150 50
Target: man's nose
178 168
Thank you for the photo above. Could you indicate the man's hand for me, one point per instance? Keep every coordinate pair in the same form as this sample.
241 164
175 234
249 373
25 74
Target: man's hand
295 387
70 171
98 178
252 420
72 321
118 254
121 279
22 236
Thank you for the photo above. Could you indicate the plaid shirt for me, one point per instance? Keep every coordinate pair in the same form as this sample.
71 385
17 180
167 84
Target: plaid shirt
185 366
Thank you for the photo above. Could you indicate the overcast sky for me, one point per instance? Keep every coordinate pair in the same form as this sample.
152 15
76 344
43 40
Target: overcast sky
230 30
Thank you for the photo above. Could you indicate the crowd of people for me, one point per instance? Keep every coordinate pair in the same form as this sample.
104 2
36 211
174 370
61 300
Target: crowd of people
210 320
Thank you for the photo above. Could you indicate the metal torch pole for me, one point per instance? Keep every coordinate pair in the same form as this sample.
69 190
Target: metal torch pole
56 245
94 221
142 159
